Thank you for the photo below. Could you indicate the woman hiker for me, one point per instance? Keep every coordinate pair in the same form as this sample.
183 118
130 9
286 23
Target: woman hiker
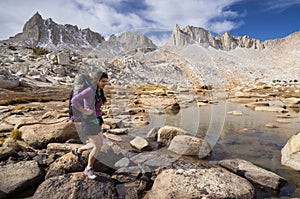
88 102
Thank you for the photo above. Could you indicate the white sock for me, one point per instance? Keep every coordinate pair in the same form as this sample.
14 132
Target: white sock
88 167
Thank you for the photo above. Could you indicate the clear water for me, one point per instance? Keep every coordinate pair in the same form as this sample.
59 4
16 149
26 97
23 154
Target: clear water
244 137
233 136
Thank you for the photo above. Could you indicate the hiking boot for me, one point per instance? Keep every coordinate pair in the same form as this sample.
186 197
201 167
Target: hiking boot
90 173
77 154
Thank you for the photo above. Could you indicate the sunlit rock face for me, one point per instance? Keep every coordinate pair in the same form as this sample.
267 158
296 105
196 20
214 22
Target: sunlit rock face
191 35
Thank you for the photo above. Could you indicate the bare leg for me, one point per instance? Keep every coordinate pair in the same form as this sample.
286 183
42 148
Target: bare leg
85 147
93 141
96 142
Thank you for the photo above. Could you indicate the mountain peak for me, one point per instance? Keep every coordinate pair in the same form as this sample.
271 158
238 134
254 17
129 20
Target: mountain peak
36 19
130 41
179 38
191 34
176 28
40 32
37 15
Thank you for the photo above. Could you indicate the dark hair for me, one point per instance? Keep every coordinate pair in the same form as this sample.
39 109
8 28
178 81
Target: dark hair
104 75
101 93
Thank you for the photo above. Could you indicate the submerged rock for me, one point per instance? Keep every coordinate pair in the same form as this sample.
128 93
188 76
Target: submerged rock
167 133
253 173
189 145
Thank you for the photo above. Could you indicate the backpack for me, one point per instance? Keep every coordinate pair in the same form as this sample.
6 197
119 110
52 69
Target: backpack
70 106
72 111
82 82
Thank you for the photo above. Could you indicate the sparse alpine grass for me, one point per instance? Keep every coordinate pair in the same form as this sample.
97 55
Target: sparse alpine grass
12 48
145 89
26 108
16 134
19 107
39 51
1 141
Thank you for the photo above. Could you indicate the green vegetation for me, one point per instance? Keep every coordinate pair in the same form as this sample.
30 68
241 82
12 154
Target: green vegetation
16 134
39 51
26 108
18 107
148 88
12 48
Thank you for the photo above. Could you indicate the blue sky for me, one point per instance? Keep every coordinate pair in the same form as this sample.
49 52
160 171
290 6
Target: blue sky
259 19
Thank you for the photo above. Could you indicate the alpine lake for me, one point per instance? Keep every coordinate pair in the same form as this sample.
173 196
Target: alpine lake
244 136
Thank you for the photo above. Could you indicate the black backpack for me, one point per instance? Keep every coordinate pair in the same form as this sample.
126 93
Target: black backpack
70 106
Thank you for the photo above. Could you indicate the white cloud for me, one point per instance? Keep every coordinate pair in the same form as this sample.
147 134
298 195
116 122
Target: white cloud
220 27
102 16
199 13
281 5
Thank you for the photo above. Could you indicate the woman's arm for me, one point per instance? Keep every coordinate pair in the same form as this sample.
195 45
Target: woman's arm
84 101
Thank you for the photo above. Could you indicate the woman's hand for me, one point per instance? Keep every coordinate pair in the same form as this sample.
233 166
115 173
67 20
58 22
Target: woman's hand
87 111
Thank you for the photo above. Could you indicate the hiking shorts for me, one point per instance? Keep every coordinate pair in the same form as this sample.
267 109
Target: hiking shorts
89 126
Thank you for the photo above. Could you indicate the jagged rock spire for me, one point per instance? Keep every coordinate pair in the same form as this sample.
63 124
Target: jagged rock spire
32 28
203 37
130 41
179 38
40 32
45 32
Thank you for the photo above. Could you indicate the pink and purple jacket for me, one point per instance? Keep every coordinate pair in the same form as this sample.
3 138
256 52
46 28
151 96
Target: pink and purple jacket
87 100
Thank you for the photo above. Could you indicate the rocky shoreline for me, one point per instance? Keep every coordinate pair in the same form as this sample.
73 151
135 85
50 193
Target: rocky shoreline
140 158
37 137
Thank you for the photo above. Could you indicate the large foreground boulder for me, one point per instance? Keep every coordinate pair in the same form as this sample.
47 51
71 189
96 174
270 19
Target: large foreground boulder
200 183
68 163
39 135
77 186
18 177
